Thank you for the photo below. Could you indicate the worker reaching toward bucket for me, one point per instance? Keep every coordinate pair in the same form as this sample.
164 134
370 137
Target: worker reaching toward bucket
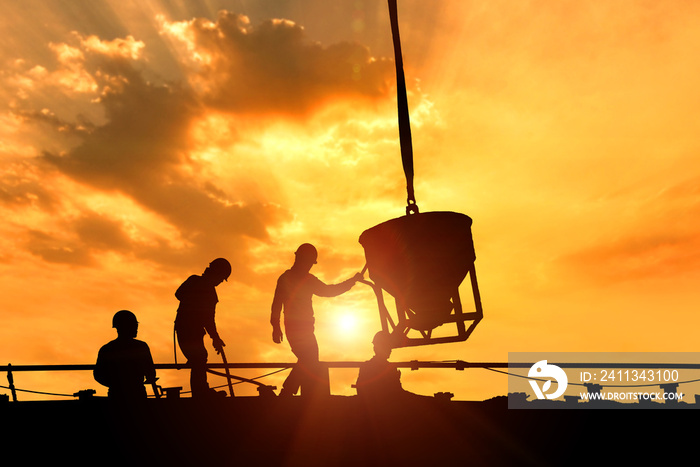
293 294
195 318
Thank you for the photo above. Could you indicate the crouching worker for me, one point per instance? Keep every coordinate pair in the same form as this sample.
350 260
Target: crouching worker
125 364
195 318
378 378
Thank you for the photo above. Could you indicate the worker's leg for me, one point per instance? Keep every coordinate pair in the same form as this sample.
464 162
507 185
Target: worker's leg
308 373
192 346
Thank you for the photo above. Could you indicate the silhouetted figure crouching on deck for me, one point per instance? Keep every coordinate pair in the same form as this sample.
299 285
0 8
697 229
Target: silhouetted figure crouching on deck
378 378
195 318
125 364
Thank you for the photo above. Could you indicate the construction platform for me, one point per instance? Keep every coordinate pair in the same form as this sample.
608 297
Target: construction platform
331 431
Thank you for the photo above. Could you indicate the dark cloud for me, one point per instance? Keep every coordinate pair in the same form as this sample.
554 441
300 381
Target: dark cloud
100 232
21 188
273 67
142 152
58 250
142 148
80 127
143 141
76 241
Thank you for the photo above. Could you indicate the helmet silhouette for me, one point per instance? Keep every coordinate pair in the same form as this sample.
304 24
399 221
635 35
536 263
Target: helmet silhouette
124 319
307 253
382 338
221 268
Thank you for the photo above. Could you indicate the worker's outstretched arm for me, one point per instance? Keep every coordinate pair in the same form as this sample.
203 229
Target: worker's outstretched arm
333 290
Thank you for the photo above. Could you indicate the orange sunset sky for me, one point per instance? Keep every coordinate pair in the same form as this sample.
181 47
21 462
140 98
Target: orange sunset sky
142 139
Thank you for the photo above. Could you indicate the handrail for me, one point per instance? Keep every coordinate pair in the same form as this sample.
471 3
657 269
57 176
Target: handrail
456 364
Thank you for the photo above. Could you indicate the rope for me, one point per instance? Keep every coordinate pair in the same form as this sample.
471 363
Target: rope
174 344
38 392
603 385
245 380
228 373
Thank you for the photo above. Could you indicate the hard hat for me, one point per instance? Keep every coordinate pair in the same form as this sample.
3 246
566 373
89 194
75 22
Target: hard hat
307 251
123 318
221 267
382 337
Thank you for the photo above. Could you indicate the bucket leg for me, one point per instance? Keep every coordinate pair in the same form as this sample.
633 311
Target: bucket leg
459 315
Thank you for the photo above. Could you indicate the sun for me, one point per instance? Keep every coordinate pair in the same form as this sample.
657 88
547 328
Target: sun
347 324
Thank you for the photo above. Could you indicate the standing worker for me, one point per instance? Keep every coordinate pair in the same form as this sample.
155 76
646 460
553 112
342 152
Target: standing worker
125 364
295 290
195 318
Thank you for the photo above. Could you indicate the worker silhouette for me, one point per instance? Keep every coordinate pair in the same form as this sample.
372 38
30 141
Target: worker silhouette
379 380
195 318
125 364
377 377
293 294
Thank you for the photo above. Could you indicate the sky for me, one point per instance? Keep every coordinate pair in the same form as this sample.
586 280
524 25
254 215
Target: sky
140 140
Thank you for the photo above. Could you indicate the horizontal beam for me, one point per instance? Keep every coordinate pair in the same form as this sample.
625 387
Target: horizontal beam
458 365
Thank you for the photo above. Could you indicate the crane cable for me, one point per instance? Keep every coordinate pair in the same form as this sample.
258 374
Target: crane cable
402 102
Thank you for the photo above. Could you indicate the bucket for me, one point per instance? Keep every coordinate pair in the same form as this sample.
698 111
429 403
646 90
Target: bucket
421 259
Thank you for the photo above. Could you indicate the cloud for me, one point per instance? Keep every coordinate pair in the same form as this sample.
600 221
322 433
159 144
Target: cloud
273 67
638 257
148 140
21 187
661 241
142 152
126 48
101 232
57 250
